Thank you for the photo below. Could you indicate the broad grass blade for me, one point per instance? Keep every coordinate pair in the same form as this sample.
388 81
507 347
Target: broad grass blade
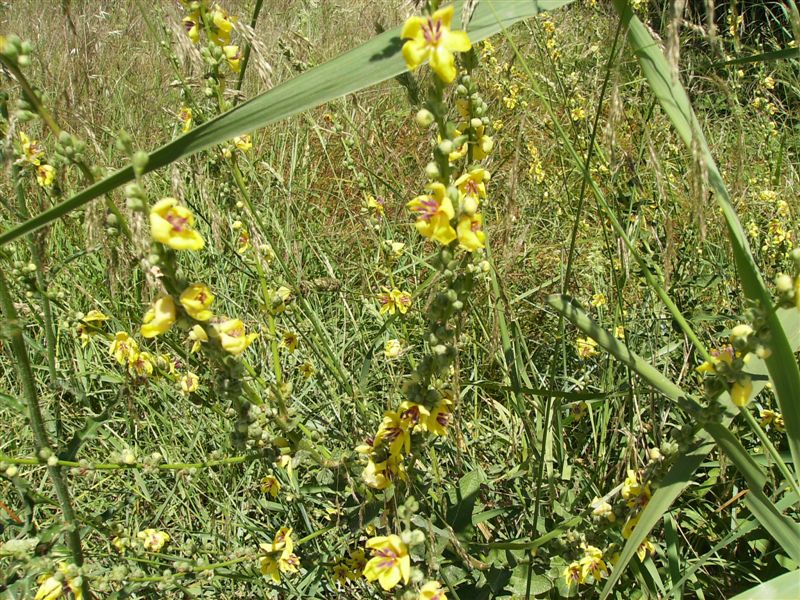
782 586
376 61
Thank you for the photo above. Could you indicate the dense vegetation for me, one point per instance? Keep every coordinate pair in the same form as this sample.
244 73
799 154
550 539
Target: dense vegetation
471 311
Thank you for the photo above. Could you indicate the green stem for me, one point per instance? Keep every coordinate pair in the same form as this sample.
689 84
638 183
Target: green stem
231 460
769 446
41 441
248 48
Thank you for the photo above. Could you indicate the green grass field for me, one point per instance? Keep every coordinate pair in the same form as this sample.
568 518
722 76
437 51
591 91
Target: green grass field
350 299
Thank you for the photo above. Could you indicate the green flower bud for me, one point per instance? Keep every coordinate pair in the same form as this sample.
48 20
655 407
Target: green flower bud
432 171
424 117
446 147
139 161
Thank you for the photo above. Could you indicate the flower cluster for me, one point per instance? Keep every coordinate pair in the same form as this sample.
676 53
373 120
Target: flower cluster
278 557
31 155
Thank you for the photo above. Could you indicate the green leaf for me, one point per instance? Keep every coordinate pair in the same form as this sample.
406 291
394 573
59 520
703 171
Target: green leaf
782 366
373 62
782 586
764 57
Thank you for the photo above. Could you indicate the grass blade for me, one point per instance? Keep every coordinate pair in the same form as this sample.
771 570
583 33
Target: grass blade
782 586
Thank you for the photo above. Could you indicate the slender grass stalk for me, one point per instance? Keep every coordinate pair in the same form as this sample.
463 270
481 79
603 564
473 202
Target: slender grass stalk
41 441
248 48
770 448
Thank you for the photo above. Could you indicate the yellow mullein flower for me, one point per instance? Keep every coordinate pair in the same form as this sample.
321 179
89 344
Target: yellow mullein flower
394 431
392 349
432 590
141 365
593 564
152 539
470 236
123 348
573 574
52 587
722 355
598 300
341 572
636 494
198 336
172 225
473 183
770 418
431 39
270 485
243 143
397 249
645 548
587 347
630 525
185 117
191 24
220 26
306 370
196 300
243 241
394 300
390 561
279 555
31 150
45 175
233 337
89 323
234 57
159 318
414 415
189 383
289 340
374 204
434 212
741 391
439 419
380 475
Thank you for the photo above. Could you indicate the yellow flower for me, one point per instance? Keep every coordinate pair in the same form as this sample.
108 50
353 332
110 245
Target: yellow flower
185 116
432 591
31 150
434 212
233 337
482 145
473 183
723 355
243 241
243 143
52 587
380 475
390 561
172 224
770 418
430 39
234 57
630 525
573 574
220 25
196 300
394 431
470 236
189 383
159 318
141 365
392 349
270 485
374 204
152 539
439 418
598 300
635 493
191 23
289 341
645 548
397 249
741 391
306 370
123 348
394 300
45 175
587 347
593 564
414 415
89 324
279 557
198 336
